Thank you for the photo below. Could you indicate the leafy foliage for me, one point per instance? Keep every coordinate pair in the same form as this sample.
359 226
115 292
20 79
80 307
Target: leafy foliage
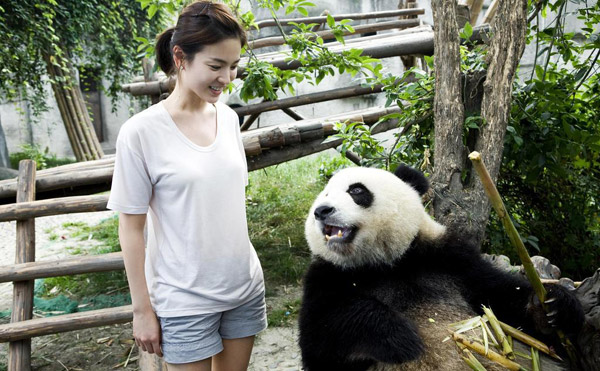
550 176
99 34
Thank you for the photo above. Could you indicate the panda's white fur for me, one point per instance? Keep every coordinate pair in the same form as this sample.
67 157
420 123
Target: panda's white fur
396 219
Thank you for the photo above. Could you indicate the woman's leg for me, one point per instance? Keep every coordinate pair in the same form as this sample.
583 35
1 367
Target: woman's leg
235 355
203 365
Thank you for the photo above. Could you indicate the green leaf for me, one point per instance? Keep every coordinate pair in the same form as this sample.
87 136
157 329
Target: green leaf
330 21
468 31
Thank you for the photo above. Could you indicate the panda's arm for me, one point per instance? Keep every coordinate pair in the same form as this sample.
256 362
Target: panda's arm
338 324
511 297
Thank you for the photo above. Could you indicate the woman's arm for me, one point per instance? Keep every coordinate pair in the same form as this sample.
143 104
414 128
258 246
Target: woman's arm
146 329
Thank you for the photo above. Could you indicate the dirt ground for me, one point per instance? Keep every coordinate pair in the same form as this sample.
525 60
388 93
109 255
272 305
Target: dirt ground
112 348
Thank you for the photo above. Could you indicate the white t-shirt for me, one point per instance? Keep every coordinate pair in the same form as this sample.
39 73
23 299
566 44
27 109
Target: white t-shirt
199 258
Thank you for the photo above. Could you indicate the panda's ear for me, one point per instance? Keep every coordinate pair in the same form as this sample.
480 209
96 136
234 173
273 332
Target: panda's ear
413 177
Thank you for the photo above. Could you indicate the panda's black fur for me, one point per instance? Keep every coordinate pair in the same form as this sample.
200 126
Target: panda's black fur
372 314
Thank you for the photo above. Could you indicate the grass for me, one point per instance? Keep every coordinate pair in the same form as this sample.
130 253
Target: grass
278 200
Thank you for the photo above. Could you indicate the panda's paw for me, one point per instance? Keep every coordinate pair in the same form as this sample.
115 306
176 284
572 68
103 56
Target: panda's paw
562 311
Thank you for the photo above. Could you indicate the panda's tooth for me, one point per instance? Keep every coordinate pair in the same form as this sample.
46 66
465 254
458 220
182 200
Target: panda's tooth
327 237
339 234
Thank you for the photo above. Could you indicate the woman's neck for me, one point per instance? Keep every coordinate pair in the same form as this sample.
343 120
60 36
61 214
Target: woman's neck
184 100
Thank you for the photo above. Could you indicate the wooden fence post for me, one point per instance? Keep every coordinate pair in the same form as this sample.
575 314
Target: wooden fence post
151 362
19 352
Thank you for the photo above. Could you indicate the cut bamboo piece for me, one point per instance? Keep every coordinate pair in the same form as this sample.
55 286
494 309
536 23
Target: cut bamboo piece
67 322
500 335
493 356
526 339
62 267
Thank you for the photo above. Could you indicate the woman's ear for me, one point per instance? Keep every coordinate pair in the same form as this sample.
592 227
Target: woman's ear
178 57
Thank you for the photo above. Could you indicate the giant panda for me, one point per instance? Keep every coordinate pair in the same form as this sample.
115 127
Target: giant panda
386 280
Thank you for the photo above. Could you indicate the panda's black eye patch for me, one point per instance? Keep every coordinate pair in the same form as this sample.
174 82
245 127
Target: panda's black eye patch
360 194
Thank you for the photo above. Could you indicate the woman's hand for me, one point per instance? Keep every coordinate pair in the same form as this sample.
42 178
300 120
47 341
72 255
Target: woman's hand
146 331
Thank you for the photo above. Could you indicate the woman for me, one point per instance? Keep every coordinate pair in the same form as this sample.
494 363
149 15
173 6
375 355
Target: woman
197 287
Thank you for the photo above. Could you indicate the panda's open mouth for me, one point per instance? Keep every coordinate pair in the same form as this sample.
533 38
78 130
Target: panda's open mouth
338 234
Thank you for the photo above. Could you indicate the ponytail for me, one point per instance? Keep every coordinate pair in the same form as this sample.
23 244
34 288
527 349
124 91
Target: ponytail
164 55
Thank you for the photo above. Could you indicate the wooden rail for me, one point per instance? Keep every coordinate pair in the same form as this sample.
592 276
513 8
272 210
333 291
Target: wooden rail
63 267
25 330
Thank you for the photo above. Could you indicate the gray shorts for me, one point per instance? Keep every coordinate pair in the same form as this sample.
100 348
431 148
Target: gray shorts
193 338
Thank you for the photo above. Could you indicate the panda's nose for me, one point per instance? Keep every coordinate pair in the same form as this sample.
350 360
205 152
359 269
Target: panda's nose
323 212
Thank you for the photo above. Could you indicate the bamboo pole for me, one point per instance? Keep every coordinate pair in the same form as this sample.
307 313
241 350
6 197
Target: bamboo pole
513 235
479 348
62 267
526 339
58 206
500 335
67 322
339 17
63 107
19 352
329 35
515 239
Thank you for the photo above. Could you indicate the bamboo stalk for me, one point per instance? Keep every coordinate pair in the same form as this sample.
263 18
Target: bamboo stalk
472 361
513 235
63 108
526 339
502 339
493 356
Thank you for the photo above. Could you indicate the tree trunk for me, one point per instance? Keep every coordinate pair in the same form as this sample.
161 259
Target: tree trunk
449 155
462 203
73 109
506 49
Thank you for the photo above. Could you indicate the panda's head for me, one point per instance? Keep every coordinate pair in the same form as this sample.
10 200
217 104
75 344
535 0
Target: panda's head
369 216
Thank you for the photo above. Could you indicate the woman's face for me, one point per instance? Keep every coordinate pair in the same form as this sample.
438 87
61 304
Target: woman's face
211 69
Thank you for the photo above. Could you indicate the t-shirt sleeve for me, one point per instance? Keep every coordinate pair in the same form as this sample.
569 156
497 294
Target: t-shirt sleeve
131 184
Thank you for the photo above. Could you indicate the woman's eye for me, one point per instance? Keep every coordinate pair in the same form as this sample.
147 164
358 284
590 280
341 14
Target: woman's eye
234 67
214 68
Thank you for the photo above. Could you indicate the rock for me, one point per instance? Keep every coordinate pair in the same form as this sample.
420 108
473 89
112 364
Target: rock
588 294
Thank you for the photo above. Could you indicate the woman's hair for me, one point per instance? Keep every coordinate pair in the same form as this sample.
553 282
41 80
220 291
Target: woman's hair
199 24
